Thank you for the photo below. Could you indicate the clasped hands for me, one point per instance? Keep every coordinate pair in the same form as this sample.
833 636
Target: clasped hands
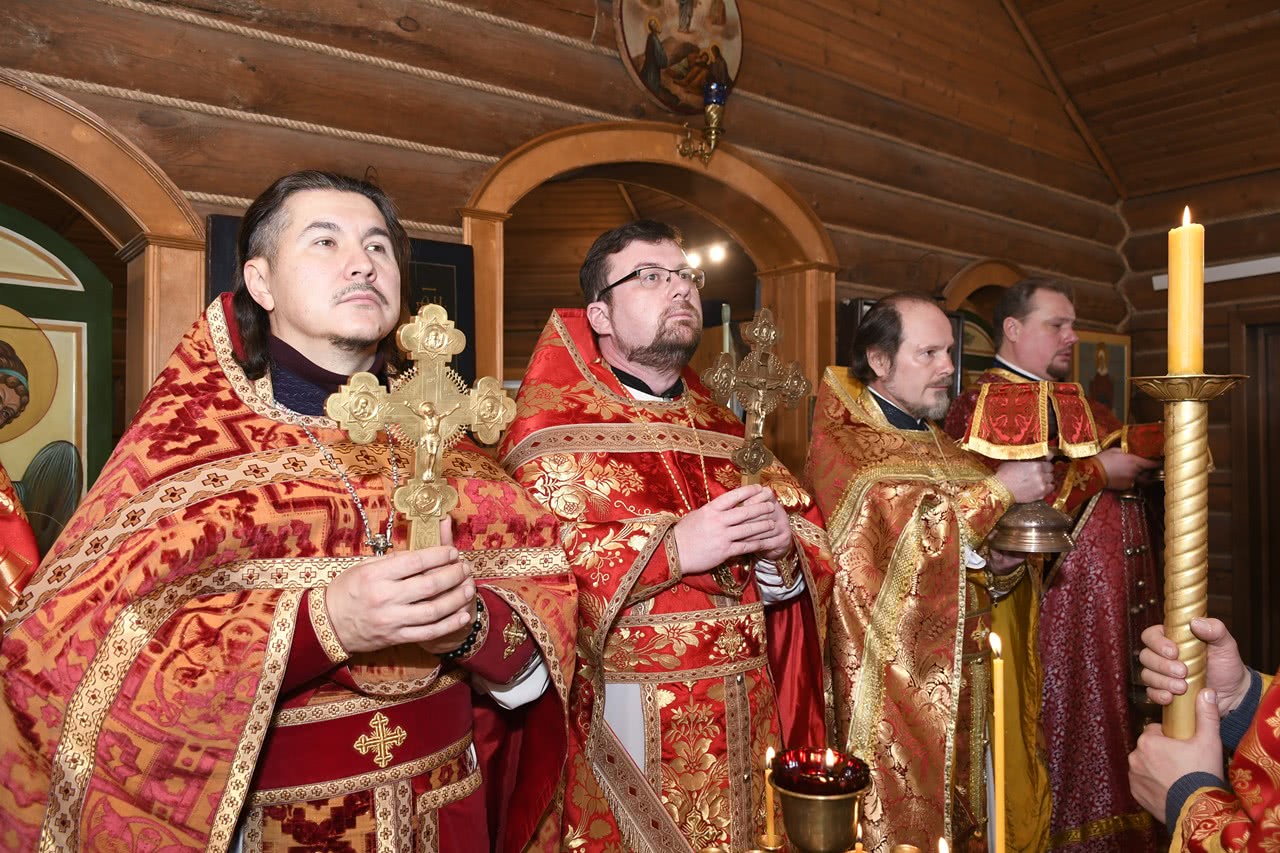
1159 761
747 520
426 597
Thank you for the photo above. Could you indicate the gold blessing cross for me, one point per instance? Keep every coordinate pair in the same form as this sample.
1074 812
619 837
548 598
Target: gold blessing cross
760 382
428 406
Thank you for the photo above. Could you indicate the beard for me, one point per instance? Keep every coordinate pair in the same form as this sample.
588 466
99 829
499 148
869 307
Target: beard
931 406
1057 374
347 344
936 410
671 348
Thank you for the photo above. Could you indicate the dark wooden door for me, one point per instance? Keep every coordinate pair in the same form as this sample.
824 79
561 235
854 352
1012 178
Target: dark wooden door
1255 433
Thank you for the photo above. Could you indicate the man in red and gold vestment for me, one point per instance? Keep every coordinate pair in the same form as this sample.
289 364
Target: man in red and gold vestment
1107 582
699 598
217 652
908 513
1181 781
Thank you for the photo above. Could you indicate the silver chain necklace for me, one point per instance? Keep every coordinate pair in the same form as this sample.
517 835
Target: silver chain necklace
379 542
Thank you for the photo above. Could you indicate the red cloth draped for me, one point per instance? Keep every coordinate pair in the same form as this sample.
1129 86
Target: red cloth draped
18 552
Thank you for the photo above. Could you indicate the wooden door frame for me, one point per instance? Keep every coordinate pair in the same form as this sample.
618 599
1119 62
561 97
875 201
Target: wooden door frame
74 153
1251 623
791 249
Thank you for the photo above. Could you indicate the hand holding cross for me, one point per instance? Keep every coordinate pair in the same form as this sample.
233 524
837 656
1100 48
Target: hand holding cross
429 407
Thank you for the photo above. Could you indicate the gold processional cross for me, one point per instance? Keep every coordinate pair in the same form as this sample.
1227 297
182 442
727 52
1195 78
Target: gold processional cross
428 406
761 382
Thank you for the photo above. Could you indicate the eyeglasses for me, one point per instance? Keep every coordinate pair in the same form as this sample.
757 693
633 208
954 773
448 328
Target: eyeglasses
651 277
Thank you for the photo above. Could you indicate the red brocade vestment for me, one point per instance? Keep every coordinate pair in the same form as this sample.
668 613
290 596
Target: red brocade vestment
719 677
1097 599
908 621
171 678
1247 817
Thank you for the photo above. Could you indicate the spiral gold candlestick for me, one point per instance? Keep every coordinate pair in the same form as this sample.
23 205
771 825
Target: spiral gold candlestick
1186 533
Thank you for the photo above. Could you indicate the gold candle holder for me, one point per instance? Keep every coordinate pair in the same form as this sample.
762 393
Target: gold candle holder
1186 532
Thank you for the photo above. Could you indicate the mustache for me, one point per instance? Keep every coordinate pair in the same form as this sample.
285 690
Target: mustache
683 306
359 288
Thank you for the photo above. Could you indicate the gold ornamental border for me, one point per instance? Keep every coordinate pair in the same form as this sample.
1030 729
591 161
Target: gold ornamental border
1190 387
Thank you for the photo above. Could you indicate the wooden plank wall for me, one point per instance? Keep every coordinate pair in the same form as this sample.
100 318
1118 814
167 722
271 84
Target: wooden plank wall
1242 221
923 134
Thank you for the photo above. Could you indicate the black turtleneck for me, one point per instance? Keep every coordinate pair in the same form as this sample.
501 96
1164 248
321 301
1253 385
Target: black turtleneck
640 385
302 385
897 418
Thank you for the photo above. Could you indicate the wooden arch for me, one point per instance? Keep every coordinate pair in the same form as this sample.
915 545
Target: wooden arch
977 275
75 154
793 254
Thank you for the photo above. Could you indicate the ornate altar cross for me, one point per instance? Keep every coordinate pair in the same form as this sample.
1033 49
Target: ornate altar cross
428 406
761 382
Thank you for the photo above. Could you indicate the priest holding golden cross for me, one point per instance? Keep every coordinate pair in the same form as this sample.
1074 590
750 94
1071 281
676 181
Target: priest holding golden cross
245 612
700 598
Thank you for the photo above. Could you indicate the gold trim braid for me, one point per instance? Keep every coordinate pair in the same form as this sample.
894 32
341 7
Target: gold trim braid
1101 828
318 609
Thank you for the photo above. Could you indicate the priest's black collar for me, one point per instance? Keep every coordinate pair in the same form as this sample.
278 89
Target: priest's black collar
300 384
637 384
1012 368
897 418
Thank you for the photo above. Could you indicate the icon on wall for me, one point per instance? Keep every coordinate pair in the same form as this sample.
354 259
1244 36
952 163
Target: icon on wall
674 48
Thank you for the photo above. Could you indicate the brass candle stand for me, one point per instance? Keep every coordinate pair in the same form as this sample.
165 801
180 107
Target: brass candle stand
1186 533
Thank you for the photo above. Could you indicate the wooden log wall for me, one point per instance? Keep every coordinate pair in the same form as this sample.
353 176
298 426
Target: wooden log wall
1242 221
924 134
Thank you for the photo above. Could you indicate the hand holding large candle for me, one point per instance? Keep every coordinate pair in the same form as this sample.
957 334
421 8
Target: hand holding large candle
997 758
1186 297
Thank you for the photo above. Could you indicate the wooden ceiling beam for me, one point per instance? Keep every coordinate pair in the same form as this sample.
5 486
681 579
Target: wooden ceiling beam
626 199
1065 99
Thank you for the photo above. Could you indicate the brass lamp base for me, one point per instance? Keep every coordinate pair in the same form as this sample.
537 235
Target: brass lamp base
820 823
1033 528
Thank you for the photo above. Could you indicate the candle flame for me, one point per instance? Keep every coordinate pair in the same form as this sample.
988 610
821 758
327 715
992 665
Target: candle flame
942 846
1186 215
831 758
768 757
994 640
859 835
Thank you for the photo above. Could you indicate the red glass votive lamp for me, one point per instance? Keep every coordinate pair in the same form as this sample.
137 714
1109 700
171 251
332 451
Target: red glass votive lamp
820 772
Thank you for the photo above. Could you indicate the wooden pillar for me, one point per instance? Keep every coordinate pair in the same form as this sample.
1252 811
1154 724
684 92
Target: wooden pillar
165 296
482 230
803 300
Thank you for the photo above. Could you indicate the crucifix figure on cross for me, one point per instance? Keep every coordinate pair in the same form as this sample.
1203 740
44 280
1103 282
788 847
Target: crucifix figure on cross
428 407
760 382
